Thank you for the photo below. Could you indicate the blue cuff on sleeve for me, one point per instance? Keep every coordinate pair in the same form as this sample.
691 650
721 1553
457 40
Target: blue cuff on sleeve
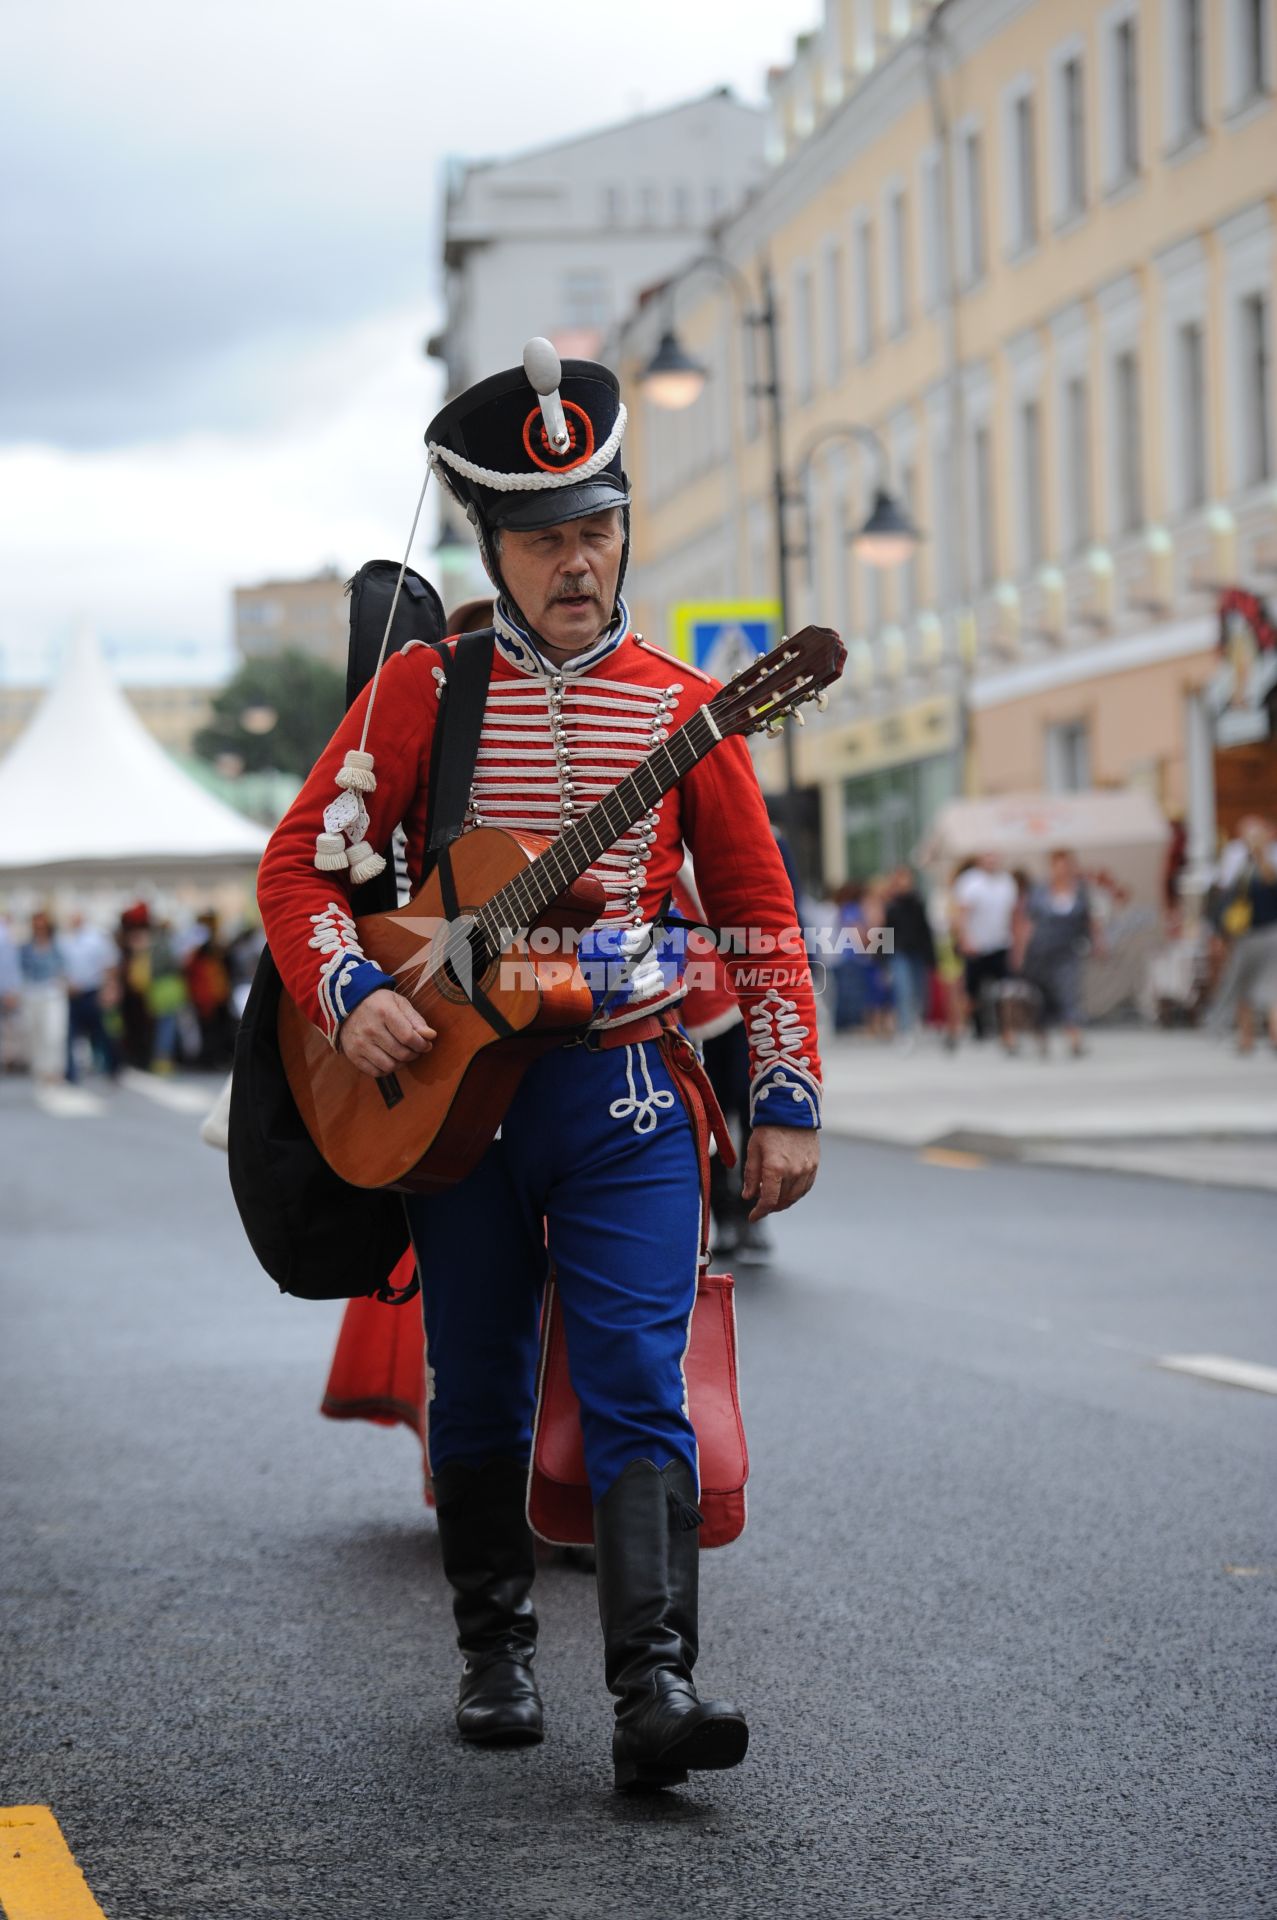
783 1098
354 982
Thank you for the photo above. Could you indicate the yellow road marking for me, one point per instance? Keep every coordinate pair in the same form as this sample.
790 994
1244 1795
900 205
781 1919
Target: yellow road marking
952 1157
39 1879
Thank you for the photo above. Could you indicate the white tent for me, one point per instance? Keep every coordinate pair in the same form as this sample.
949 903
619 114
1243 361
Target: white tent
91 796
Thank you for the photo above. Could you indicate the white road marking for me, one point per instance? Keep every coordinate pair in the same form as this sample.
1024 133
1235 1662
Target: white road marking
180 1096
69 1103
1225 1372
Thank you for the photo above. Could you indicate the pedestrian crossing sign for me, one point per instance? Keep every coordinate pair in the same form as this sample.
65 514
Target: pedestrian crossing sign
722 636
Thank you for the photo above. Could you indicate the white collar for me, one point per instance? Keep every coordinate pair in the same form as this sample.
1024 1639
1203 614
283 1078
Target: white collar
516 644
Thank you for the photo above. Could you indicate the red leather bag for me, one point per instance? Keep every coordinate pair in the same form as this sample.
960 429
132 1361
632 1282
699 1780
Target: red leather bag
560 1507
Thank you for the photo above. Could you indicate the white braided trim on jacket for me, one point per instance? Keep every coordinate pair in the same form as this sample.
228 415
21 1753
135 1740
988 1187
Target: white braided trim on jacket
335 936
531 482
775 1035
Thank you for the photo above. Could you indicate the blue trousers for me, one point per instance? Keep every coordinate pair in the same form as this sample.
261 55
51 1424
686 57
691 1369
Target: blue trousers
594 1170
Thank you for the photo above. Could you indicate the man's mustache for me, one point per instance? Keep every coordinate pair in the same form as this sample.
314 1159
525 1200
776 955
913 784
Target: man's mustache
585 591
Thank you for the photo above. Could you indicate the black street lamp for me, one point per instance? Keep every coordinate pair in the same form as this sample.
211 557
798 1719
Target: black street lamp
673 379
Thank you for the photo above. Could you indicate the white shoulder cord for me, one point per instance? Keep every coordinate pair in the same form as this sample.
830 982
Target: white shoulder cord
347 817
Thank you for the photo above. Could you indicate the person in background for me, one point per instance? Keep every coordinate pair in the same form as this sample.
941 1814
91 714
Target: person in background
44 1001
166 997
1248 915
1061 931
208 983
950 969
984 899
880 1014
1019 1003
712 1019
10 996
242 955
90 956
472 616
913 953
137 1028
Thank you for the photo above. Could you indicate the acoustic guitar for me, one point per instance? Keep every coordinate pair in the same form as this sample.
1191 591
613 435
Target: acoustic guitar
464 951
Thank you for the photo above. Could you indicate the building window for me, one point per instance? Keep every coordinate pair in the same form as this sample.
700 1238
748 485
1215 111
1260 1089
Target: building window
804 358
1124 102
1128 443
1186 69
864 39
897 261
834 323
1257 387
864 289
971 207
1032 520
715 199
982 489
585 300
649 204
681 205
1077 471
613 206
1191 372
1247 52
932 217
1068 757
1070 109
1022 173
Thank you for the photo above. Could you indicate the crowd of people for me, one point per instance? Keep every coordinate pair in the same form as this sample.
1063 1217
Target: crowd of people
78 996
998 955
1002 955
1003 958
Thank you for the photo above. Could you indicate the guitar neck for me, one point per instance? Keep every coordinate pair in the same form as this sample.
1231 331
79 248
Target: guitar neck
512 910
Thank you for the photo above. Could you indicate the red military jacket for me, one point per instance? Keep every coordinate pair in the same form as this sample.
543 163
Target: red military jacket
554 740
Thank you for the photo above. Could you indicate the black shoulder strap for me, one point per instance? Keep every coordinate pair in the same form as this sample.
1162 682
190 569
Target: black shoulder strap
456 748
466 672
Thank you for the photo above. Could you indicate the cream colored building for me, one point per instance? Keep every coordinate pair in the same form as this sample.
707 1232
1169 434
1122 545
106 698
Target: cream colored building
1031 244
295 616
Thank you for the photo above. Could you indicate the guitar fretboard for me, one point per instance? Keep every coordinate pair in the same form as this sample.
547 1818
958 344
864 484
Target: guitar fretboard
512 911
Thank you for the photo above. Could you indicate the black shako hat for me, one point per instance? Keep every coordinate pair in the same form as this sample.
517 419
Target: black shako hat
535 445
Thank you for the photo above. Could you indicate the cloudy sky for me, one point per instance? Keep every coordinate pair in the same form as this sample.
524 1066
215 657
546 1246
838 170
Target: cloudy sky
220 232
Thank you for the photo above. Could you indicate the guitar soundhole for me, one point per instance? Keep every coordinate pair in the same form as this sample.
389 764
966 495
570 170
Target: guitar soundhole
389 1088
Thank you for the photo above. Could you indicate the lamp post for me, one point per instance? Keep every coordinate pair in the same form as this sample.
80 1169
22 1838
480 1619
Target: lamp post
673 379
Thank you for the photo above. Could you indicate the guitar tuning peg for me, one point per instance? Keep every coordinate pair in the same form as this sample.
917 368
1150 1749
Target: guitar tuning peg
822 699
800 716
775 726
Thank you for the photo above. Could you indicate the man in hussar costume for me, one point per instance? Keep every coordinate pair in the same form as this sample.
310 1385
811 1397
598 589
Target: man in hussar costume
595 1167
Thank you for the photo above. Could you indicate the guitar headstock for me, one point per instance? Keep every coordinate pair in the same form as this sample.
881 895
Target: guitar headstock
778 683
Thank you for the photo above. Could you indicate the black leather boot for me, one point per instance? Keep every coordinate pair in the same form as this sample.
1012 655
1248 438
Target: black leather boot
489 1561
647 1547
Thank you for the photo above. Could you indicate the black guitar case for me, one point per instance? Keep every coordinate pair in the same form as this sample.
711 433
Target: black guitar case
318 1237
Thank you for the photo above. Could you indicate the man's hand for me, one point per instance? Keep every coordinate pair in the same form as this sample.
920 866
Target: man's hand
383 1032
780 1167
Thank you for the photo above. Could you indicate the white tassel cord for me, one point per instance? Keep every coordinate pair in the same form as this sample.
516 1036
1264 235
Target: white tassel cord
357 774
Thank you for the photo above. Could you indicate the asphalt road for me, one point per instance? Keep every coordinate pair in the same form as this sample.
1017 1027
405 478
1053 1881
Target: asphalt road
1003 1617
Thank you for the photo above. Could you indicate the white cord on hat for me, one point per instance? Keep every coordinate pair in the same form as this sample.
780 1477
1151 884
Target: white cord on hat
532 482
